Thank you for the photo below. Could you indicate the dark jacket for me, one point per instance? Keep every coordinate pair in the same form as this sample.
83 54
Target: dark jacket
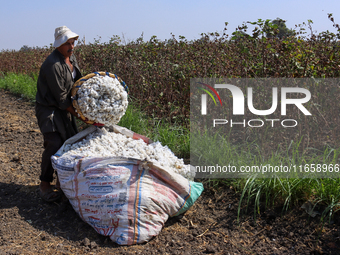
53 96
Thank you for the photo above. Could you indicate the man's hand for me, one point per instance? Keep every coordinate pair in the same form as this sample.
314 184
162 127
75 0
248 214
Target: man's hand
98 124
71 110
87 121
93 123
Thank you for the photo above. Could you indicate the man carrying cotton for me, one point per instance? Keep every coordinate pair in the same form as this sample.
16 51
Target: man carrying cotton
54 110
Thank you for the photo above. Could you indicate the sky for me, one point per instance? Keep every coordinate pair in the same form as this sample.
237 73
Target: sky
32 23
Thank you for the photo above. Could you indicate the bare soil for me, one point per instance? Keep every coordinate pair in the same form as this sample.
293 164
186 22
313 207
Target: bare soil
29 225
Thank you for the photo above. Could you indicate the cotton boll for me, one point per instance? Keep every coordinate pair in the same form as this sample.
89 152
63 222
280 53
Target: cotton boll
104 143
100 99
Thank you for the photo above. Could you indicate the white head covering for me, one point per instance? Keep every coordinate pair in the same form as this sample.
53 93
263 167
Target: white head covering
62 34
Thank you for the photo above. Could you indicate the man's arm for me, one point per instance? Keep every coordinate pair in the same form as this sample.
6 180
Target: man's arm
73 112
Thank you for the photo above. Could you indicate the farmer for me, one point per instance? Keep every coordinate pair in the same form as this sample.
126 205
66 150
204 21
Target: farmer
53 108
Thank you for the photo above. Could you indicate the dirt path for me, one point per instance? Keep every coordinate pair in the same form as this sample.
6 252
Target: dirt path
30 226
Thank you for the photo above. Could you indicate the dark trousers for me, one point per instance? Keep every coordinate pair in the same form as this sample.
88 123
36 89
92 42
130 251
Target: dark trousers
52 143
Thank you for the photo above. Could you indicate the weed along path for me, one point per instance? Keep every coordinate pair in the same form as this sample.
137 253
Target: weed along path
30 226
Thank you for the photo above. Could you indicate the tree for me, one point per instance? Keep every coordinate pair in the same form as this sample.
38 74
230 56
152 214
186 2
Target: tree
25 48
239 36
277 28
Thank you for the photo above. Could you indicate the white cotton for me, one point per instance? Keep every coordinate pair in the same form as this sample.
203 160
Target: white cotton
102 99
102 143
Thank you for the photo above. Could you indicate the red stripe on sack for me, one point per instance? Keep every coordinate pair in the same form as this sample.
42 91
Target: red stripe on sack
138 136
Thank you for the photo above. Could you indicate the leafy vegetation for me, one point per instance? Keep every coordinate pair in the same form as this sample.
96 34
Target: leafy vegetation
167 66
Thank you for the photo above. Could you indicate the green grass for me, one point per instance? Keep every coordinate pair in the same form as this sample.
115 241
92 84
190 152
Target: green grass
283 190
20 84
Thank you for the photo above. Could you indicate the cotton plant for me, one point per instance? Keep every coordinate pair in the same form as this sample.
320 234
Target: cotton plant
102 99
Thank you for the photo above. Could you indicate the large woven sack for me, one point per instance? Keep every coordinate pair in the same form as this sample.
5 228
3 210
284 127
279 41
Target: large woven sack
127 199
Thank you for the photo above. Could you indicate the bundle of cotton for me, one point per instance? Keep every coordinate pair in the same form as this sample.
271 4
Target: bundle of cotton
102 143
102 99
